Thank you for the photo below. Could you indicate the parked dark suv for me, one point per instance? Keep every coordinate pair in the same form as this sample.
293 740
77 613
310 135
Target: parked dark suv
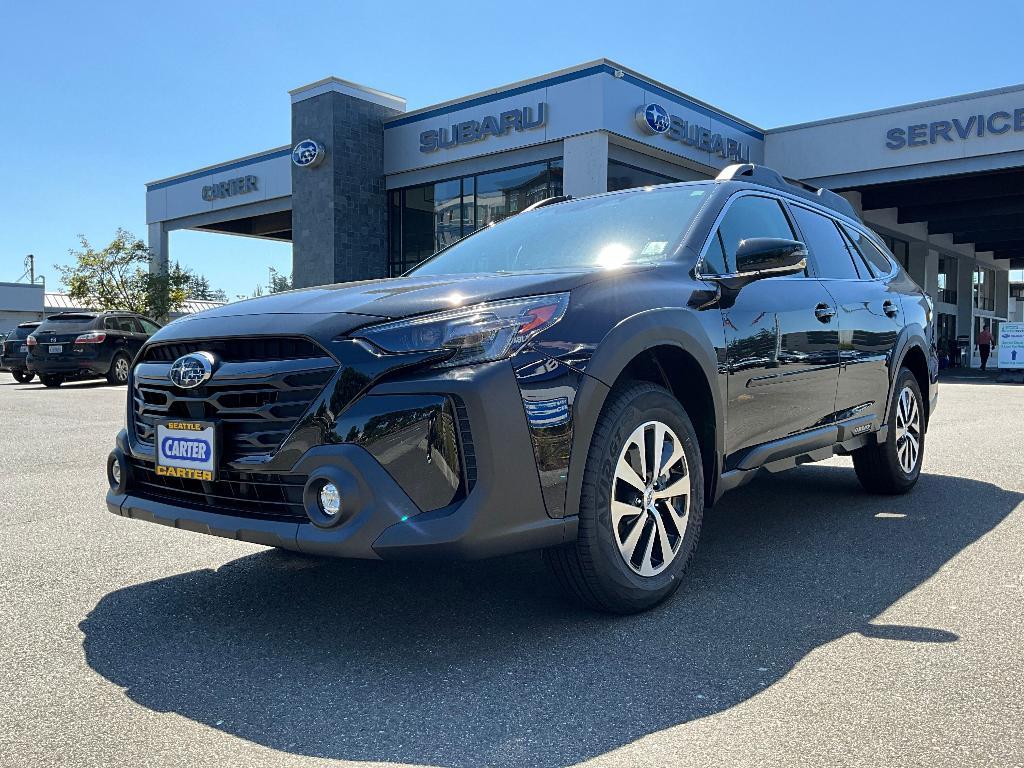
75 345
14 350
585 377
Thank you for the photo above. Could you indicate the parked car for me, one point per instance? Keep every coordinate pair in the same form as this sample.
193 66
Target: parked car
585 378
78 345
14 350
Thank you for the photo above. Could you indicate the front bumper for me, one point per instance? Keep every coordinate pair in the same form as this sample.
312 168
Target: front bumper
504 512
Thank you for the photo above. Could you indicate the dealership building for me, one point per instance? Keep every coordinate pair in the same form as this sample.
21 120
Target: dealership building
365 188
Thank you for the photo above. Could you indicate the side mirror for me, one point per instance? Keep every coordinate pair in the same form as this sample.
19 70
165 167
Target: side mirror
759 257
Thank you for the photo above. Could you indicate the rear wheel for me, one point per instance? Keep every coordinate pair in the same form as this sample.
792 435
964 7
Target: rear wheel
23 377
893 467
119 367
51 380
641 504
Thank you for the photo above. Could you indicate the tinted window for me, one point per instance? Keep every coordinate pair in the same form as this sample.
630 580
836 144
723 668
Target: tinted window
826 244
607 231
750 216
877 261
148 327
22 333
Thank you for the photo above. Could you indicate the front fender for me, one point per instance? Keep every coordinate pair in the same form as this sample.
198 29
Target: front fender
675 327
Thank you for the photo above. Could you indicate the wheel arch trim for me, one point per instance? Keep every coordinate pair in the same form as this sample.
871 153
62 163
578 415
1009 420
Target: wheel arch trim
625 342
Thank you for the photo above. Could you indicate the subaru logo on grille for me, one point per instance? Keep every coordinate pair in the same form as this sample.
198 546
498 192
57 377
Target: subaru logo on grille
189 371
653 118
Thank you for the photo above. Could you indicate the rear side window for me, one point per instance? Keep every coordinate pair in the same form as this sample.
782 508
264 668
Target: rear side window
826 245
148 327
876 260
748 216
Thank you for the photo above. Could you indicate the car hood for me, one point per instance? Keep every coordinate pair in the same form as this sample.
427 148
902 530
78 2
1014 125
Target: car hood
402 296
345 306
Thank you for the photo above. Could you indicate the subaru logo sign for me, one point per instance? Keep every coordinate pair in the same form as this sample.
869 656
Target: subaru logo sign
653 118
308 153
189 371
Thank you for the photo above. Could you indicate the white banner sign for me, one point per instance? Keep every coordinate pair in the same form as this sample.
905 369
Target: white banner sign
1011 345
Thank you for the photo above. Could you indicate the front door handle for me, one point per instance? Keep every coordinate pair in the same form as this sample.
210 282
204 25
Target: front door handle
824 312
890 308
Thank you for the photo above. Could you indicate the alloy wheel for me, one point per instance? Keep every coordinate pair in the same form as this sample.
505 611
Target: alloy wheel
908 430
121 369
650 498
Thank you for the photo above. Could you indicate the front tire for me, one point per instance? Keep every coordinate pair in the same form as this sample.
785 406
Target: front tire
119 367
894 466
51 381
23 377
641 504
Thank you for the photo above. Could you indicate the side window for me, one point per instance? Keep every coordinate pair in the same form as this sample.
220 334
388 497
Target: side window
110 324
826 245
748 216
877 261
714 258
148 328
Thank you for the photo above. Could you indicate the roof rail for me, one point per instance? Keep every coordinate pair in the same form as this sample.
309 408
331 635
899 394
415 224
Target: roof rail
769 177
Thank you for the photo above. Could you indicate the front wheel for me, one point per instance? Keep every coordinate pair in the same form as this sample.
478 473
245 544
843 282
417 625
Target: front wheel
23 377
894 466
51 381
641 504
119 367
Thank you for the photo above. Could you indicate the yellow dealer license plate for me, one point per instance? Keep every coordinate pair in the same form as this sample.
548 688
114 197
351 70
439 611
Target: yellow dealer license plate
187 449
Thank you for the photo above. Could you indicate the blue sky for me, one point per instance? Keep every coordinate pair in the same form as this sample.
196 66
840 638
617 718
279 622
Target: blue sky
99 98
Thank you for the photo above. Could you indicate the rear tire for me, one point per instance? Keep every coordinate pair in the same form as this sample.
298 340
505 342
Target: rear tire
894 466
634 542
119 367
51 381
23 377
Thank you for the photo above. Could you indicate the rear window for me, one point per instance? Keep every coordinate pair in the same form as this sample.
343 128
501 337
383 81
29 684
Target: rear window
74 319
22 333
67 323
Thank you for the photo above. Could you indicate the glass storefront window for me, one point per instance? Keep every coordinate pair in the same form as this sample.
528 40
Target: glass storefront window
622 176
984 288
427 218
947 280
900 249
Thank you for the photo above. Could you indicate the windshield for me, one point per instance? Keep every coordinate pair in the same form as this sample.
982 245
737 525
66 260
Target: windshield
639 227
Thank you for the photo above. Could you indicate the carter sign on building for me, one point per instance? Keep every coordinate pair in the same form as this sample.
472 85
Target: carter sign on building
240 186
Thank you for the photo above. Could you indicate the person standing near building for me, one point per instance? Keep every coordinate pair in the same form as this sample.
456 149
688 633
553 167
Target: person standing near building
984 342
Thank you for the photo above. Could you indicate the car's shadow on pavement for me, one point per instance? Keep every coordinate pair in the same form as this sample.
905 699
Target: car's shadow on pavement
486 664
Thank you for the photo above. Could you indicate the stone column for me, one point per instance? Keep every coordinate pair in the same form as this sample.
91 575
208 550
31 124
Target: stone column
339 207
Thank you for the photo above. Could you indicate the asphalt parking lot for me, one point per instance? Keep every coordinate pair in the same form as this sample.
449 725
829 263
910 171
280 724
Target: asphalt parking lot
818 626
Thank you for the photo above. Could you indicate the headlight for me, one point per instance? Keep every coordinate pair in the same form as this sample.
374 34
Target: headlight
475 334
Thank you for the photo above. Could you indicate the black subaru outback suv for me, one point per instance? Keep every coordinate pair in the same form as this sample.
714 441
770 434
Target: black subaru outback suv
585 378
76 345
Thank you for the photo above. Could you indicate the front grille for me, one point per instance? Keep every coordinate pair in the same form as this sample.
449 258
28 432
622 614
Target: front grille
237 350
259 496
257 402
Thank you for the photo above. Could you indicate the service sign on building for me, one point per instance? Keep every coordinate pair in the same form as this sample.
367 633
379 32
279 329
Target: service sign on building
1011 345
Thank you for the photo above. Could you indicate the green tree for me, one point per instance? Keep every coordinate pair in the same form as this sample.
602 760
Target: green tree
112 277
118 277
279 282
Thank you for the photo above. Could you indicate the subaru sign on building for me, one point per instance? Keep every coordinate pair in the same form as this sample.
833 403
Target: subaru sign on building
365 187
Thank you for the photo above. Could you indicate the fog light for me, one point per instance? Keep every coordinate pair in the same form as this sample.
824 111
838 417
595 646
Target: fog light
330 500
116 472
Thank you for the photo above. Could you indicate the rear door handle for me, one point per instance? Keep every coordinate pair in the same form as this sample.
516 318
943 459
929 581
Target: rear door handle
890 308
824 312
